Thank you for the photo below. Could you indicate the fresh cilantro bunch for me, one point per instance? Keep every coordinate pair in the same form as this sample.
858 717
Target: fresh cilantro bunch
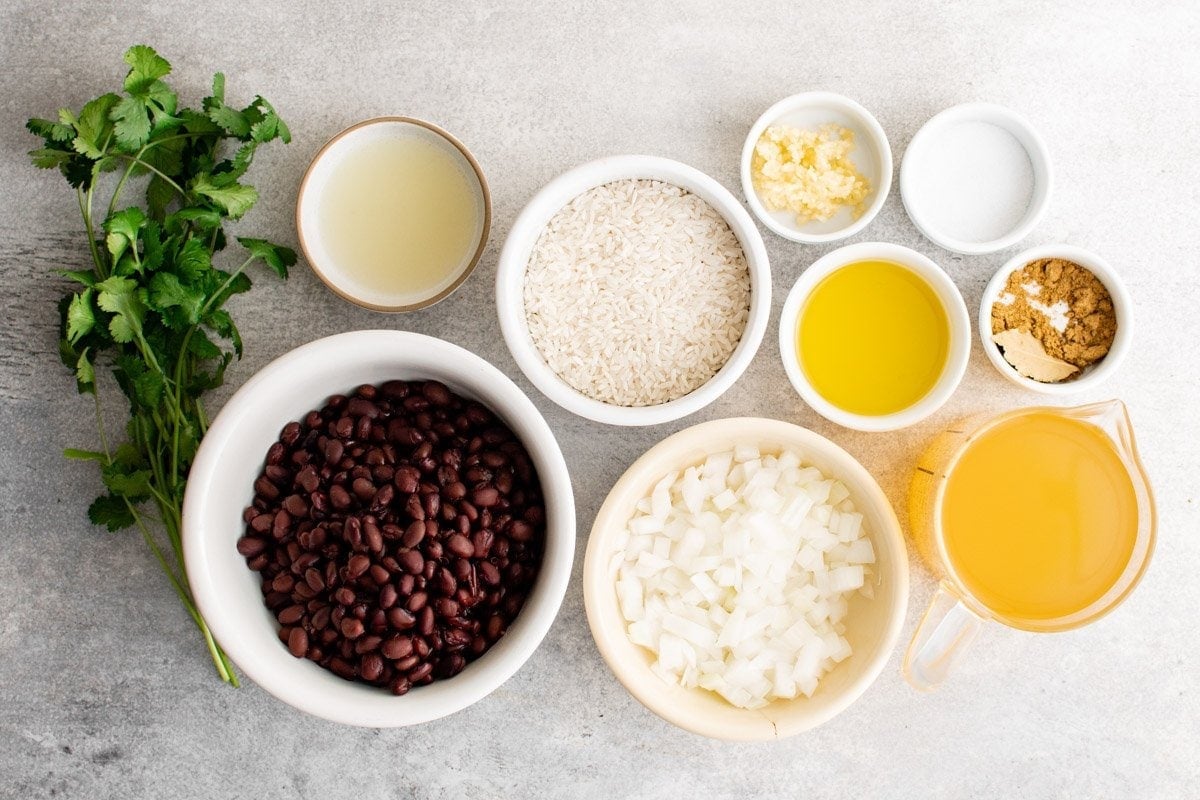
151 305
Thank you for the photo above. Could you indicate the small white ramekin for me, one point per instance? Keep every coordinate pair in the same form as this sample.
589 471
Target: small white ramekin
325 163
1091 376
956 314
1001 117
220 486
510 281
872 155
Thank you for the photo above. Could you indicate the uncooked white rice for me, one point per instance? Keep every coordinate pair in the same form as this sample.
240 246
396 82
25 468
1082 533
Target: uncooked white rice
637 292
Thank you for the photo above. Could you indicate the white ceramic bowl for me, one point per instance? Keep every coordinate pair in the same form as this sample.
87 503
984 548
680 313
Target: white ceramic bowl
956 313
326 162
872 624
925 203
872 156
510 280
1091 376
220 487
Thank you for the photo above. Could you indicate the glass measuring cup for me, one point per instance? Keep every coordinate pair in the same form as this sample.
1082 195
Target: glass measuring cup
963 601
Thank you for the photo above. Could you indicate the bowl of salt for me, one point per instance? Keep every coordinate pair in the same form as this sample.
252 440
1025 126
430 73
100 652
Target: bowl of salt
976 178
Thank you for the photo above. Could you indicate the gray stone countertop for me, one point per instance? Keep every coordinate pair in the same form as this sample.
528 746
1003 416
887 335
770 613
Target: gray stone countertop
105 689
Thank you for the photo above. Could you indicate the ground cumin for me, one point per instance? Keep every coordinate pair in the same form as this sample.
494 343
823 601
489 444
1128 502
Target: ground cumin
1054 290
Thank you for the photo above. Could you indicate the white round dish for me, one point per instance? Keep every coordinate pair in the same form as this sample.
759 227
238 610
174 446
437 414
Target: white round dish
872 156
510 279
220 486
316 178
976 178
939 281
1091 376
872 625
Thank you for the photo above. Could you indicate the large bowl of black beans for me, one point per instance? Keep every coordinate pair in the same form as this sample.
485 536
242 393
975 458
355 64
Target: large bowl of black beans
379 528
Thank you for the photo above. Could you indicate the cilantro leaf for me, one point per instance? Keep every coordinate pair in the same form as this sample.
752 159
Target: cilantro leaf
193 261
275 256
122 229
235 200
218 88
159 195
166 292
112 512
80 316
145 67
231 120
85 374
47 158
131 124
222 323
120 297
202 347
93 126
60 132
133 485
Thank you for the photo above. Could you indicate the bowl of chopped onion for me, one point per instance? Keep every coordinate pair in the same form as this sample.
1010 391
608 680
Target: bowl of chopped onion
746 579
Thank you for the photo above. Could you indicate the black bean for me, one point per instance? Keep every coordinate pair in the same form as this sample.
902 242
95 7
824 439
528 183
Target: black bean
371 666
401 618
367 644
397 647
352 628
359 407
298 642
291 615
460 546
413 534
339 497
416 602
402 509
250 546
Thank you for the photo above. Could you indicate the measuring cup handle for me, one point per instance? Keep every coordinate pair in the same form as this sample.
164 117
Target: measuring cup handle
945 631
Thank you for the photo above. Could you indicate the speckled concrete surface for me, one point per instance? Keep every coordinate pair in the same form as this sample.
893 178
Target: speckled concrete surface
105 690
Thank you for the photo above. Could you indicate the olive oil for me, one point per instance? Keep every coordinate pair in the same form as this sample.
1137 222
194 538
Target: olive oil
400 219
1039 517
873 338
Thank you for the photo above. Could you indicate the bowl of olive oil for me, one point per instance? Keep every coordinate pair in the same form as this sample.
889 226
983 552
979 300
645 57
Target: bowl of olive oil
393 214
874 336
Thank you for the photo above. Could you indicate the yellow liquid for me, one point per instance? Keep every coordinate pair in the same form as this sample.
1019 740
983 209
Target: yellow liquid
873 338
1039 517
400 219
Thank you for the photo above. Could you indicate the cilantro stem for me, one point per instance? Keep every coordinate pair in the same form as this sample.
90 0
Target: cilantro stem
183 350
220 660
85 208
135 160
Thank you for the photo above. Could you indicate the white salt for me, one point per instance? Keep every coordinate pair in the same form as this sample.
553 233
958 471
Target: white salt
973 182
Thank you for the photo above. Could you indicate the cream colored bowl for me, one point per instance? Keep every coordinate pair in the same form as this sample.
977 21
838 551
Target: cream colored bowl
872 624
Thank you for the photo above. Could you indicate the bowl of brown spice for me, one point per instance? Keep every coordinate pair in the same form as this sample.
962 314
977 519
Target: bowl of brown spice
1056 319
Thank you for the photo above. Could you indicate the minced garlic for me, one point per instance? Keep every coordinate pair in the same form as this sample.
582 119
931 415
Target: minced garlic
808 172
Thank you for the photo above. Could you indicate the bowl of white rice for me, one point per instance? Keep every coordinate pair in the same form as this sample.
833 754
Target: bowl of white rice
633 290
746 579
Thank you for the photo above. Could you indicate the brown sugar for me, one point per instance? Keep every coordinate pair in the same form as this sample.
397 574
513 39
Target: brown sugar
1062 305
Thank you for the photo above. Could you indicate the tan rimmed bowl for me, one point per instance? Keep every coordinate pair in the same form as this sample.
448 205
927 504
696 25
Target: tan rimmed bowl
872 624
315 181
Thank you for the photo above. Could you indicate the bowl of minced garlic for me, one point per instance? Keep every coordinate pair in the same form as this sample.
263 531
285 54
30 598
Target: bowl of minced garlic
816 167
1056 319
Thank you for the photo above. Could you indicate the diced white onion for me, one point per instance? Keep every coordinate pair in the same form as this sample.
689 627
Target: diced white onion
736 575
